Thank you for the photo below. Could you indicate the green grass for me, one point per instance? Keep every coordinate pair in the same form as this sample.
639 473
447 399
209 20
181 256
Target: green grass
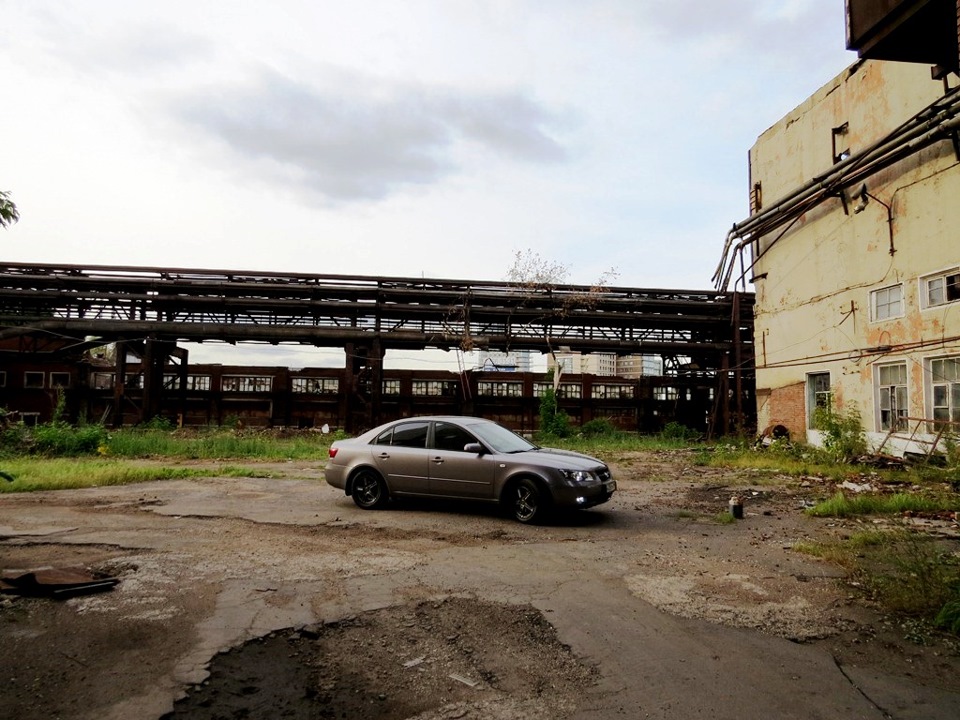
840 505
216 445
66 474
908 573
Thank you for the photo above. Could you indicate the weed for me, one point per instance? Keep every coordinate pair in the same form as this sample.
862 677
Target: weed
65 474
679 431
843 436
842 506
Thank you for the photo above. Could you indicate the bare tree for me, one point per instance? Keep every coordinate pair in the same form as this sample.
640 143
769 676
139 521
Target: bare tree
536 274
8 210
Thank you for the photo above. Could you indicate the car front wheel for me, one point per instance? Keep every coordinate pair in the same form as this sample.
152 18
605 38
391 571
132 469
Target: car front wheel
528 501
369 490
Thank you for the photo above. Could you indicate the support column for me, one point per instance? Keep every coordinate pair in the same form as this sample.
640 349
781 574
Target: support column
361 399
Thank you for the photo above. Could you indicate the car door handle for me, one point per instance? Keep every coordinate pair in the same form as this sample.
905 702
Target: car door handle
438 461
384 456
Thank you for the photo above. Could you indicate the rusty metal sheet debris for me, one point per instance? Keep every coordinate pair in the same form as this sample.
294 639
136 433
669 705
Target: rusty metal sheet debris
57 583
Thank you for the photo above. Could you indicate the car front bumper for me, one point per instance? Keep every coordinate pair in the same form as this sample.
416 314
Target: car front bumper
584 496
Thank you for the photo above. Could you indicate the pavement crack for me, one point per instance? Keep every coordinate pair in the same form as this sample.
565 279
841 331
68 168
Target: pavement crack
856 687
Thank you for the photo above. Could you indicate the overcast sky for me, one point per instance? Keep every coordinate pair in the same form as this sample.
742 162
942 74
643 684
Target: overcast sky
397 137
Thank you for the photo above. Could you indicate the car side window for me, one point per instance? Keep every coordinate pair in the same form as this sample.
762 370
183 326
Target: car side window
384 438
412 434
447 436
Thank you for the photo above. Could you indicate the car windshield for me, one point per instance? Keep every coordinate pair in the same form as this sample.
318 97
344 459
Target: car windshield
501 440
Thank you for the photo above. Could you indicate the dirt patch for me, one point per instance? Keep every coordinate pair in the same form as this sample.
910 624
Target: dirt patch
454 658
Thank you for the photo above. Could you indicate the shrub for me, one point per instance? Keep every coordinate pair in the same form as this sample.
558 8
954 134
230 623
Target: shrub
679 431
553 420
64 440
598 426
843 436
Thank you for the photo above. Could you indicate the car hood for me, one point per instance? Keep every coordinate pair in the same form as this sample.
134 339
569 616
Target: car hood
566 459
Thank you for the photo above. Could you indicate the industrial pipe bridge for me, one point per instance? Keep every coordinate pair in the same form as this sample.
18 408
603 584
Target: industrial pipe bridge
45 307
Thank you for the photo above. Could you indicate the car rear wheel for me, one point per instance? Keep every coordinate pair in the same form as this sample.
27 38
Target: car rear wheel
369 490
528 501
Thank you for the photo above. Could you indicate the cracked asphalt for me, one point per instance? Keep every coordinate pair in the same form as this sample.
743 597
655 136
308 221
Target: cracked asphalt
669 613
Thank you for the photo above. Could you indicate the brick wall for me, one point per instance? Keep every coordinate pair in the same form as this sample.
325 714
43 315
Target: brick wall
787 406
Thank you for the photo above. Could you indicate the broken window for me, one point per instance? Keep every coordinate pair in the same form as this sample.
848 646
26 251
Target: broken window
500 389
613 392
886 303
316 386
59 379
102 381
942 289
666 393
391 387
246 383
33 379
945 392
818 395
434 387
573 391
892 396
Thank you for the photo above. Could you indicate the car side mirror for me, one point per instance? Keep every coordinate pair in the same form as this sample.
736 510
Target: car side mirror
475 448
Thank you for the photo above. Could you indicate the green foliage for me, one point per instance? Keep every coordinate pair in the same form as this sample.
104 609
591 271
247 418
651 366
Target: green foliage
843 436
679 431
8 210
598 426
157 422
869 504
58 439
554 422
66 474
219 443
909 574
949 616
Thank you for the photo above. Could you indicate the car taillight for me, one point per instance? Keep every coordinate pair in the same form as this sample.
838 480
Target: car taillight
333 452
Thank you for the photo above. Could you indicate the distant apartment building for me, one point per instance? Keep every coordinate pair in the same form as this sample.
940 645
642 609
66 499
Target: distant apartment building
606 364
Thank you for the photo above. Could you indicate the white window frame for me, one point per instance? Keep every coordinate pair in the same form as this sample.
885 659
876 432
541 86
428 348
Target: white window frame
947 379
947 281
891 398
876 314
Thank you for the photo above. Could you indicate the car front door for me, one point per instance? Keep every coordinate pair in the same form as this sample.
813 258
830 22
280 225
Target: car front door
455 472
400 454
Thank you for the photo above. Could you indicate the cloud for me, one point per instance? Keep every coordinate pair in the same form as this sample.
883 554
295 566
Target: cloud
370 139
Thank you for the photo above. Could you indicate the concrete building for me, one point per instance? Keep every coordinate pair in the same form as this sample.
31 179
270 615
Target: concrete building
515 361
853 249
607 364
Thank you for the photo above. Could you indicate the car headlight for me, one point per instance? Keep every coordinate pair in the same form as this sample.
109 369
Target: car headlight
577 477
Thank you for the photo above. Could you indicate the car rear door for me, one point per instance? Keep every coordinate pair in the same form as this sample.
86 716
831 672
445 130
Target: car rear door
454 472
401 456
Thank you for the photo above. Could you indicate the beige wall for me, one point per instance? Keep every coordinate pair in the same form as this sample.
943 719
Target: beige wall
814 284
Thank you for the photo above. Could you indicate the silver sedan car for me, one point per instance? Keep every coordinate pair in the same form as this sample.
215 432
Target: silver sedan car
465 458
